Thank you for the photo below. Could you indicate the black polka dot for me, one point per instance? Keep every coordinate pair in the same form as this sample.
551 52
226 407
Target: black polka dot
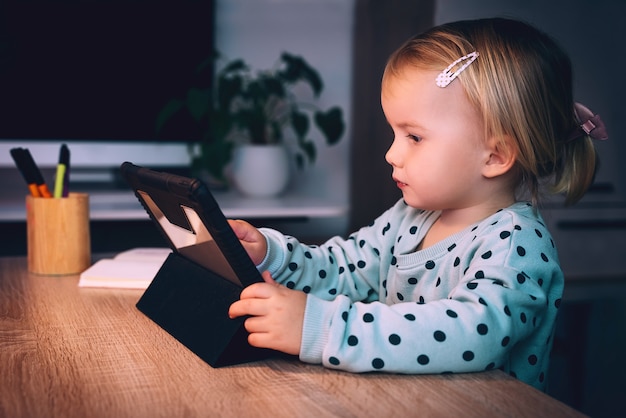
412 280
486 255
352 340
521 251
423 359
523 318
400 296
544 257
368 317
351 267
438 282
394 339
332 291
451 313
532 359
394 260
361 243
490 366
378 363
505 341
505 234
538 232
482 329
482 301
322 274
430 264
457 261
344 316
472 285
521 278
480 274
468 355
452 247
306 289
507 310
413 230
289 246
293 266
290 284
308 255
439 336
334 361
361 264
410 317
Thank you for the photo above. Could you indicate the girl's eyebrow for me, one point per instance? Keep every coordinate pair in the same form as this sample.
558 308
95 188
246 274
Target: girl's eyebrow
411 125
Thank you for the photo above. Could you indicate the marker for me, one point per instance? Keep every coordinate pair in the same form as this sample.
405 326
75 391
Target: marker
34 170
61 180
22 165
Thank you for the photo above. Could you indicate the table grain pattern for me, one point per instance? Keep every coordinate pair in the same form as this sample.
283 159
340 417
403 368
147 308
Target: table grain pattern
67 351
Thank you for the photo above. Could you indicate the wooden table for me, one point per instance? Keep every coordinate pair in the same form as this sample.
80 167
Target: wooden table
67 351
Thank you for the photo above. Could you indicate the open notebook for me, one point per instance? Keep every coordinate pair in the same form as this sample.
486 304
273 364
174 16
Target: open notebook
131 269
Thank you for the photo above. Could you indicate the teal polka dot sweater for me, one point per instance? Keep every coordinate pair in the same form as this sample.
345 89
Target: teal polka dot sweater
486 297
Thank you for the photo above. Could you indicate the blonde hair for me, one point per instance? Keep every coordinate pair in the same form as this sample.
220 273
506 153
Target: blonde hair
522 85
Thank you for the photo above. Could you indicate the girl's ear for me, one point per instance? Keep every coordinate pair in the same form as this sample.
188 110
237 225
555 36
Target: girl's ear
501 157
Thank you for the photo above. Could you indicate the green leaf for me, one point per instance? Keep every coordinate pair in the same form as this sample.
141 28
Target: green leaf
297 69
227 89
299 161
215 157
198 102
331 124
300 123
308 147
170 109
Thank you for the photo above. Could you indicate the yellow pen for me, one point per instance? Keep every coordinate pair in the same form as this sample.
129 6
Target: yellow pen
60 182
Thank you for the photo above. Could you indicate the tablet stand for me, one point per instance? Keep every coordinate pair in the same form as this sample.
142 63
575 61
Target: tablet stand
191 303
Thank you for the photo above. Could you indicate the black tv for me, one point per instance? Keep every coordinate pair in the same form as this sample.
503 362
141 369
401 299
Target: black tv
100 70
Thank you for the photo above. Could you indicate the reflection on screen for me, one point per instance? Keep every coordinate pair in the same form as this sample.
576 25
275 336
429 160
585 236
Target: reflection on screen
197 245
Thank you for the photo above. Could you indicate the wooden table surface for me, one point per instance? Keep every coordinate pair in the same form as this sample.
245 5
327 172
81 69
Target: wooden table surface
67 351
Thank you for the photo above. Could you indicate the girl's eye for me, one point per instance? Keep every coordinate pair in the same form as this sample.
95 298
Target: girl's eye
414 137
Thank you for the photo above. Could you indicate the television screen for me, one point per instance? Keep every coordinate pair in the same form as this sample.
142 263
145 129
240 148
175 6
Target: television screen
100 69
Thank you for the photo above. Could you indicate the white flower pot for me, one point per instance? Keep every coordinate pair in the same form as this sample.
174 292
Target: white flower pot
260 170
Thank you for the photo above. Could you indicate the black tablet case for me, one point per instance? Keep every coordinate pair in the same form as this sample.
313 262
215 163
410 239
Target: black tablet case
187 299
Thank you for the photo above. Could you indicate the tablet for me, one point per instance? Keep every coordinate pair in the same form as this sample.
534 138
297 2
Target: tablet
188 216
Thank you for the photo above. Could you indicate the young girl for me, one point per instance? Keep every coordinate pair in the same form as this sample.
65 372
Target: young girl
460 275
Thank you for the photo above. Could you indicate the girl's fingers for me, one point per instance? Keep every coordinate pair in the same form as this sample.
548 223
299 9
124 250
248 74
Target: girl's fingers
253 307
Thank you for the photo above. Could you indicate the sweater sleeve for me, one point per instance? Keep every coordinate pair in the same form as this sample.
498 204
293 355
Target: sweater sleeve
349 267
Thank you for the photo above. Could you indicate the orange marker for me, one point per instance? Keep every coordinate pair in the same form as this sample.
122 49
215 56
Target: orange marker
41 184
22 164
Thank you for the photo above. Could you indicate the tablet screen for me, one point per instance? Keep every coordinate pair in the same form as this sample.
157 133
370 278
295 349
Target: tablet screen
196 243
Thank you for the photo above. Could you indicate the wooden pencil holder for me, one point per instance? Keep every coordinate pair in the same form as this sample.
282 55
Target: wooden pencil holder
58 236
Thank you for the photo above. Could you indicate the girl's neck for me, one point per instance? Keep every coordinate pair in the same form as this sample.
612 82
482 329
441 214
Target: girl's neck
452 221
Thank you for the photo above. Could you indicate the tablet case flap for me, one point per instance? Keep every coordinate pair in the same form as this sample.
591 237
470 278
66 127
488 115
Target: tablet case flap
191 303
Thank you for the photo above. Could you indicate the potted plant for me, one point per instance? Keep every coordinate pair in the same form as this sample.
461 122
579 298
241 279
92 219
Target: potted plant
257 108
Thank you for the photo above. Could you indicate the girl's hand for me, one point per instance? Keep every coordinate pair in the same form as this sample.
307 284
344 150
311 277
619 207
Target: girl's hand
277 314
252 240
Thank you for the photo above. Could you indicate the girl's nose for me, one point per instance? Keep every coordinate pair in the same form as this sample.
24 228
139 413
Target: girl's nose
393 155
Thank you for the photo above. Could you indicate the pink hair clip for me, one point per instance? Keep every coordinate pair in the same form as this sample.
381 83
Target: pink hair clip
589 124
446 76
